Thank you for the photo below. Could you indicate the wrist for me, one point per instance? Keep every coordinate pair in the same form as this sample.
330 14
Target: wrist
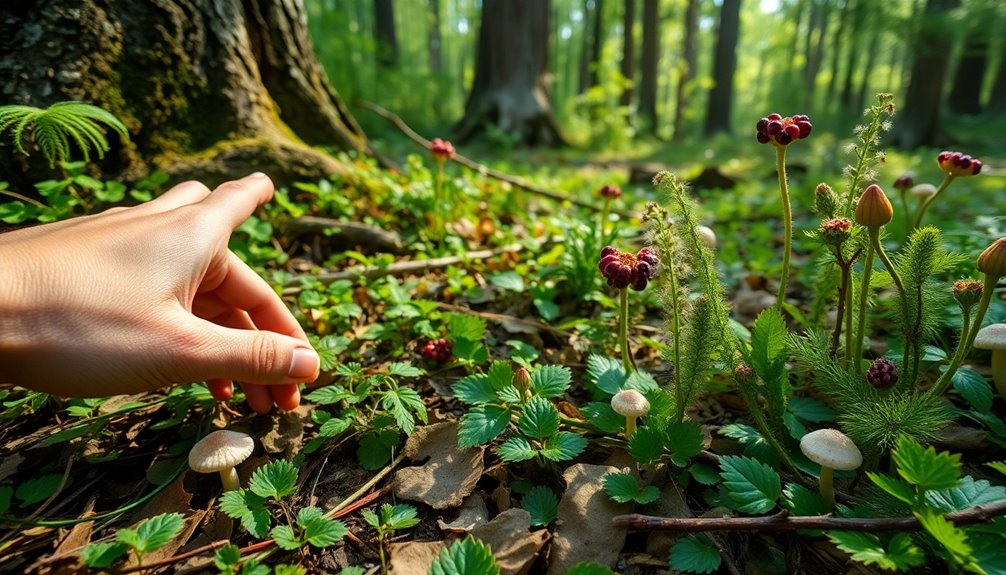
16 310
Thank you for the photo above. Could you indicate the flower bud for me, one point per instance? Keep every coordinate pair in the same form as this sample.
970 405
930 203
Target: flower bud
967 292
904 182
522 380
874 209
610 192
992 261
835 231
825 200
958 164
882 374
743 373
442 149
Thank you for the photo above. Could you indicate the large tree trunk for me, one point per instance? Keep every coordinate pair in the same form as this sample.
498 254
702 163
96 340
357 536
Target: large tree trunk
815 49
210 89
628 65
997 99
648 69
966 91
385 34
686 68
920 118
724 66
509 89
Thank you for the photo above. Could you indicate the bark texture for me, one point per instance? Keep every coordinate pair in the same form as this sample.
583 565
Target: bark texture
223 85
724 66
650 58
509 90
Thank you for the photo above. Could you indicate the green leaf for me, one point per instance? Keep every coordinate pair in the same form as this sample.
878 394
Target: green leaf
404 369
401 402
866 548
894 486
5 494
466 557
276 479
542 504
973 388
398 516
704 474
39 489
999 466
924 467
284 569
466 327
157 531
551 380
623 488
642 382
334 427
481 425
809 409
967 493
605 373
476 388
954 540
375 449
101 555
538 418
589 569
500 375
753 486
601 416
508 281
685 440
564 446
768 357
318 530
353 571
227 556
694 554
286 538
516 449
802 501
249 508
646 445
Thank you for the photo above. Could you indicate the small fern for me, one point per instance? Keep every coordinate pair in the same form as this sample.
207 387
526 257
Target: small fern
55 128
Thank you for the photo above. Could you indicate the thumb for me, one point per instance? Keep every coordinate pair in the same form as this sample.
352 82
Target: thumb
253 356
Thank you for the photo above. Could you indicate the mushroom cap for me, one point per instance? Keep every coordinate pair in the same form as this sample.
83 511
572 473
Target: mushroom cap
831 448
630 403
220 450
707 235
922 190
991 337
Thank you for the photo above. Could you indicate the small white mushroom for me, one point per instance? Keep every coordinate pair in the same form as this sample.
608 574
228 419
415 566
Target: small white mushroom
221 451
707 235
922 191
994 337
832 449
631 404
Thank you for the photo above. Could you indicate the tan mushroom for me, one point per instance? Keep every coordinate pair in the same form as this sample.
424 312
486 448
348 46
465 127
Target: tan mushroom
923 191
832 449
221 451
994 337
707 235
631 404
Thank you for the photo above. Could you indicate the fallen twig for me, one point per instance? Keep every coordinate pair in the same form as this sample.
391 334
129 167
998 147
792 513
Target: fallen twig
351 232
783 521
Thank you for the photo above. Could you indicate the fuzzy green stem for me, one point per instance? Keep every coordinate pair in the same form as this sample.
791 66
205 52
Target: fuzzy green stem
787 215
930 200
848 320
679 407
751 401
910 343
603 220
864 299
908 215
438 190
879 249
826 483
623 330
967 338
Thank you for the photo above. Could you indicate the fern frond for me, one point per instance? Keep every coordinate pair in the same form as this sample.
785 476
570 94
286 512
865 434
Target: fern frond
875 425
53 129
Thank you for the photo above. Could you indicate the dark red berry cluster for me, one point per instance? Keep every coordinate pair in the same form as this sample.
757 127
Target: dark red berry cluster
958 164
783 131
882 374
623 269
442 149
610 192
438 350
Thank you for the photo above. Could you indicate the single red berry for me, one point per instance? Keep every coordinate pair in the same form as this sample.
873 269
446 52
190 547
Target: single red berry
882 374
774 117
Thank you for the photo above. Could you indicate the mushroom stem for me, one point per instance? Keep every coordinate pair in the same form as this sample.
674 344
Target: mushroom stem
825 483
999 371
229 477
630 426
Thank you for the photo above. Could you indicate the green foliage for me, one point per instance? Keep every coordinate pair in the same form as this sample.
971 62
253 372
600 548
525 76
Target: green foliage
646 445
622 488
925 468
312 527
899 555
875 424
694 554
768 359
542 504
38 489
391 518
466 557
865 150
150 535
59 127
589 569
752 486
275 480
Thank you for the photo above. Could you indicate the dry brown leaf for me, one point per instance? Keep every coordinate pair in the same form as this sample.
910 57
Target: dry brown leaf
584 531
9 465
513 546
473 513
287 433
173 499
670 504
450 474
413 557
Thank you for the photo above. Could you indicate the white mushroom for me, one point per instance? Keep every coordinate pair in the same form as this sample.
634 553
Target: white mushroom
221 451
923 191
832 449
994 337
631 404
707 235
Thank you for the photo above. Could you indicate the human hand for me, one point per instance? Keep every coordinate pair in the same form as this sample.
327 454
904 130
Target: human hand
134 299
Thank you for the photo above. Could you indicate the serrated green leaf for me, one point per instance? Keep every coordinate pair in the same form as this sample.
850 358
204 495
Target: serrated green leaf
551 380
753 486
466 327
516 449
276 479
802 501
285 538
474 389
508 280
321 532
974 388
703 473
809 409
404 369
466 557
398 516
103 554
481 425
601 416
538 418
641 381
623 488
894 486
564 446
154 533
401 402
866 548
127 537
227 556
334 427
510 394
694 554
375 449
589 569
38 489
249 508
924 467
646 445
329 394
685 440
768 357
253 567
954 540
500 375
542 504
999 466
605 373
967 493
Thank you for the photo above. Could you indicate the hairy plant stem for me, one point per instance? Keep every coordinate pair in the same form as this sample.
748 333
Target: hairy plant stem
603 219
967 338
787 215
929 200
864 299
848 319
623 330
438 201
754 408
911 342
844 301
679 400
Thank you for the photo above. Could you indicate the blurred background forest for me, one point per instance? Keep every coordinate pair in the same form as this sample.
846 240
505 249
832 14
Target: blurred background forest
676 70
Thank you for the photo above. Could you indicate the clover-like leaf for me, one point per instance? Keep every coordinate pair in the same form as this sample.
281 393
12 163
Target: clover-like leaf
276 479
695 554
622 488
320 531
286 538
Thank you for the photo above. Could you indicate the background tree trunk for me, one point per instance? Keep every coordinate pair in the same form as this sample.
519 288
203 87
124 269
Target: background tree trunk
820 15
724 66
628 64
434 40
686 68
997 99
509 90
919 124
385 34
648 70
966 89
212 89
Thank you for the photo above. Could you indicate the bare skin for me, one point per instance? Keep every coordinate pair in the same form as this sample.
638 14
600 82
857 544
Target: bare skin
135 299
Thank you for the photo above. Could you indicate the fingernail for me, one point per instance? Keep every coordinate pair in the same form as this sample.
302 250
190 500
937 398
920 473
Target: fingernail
258 175
305 365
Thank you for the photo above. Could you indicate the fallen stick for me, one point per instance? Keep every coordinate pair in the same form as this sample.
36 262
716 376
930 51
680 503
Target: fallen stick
350 232
783 521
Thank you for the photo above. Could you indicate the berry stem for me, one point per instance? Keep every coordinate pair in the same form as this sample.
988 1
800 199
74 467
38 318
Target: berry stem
438 190
623 330
930 199
603 220
679 405
864 299
787 211
908 217
967 337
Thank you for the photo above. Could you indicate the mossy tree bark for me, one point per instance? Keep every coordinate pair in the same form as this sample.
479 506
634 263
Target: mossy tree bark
210 89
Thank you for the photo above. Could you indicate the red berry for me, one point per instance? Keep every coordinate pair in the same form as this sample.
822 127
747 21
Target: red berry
783 138
762 138
805 128
774 117
793 130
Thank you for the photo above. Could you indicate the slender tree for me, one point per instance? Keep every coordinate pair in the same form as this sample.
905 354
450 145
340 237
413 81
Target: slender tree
724 67
837 41
686 67
628 64
966 89
997 99
650 58
814 47
385 34
434 39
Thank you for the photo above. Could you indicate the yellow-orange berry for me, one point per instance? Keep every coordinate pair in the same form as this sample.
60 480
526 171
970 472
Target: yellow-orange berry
874 209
